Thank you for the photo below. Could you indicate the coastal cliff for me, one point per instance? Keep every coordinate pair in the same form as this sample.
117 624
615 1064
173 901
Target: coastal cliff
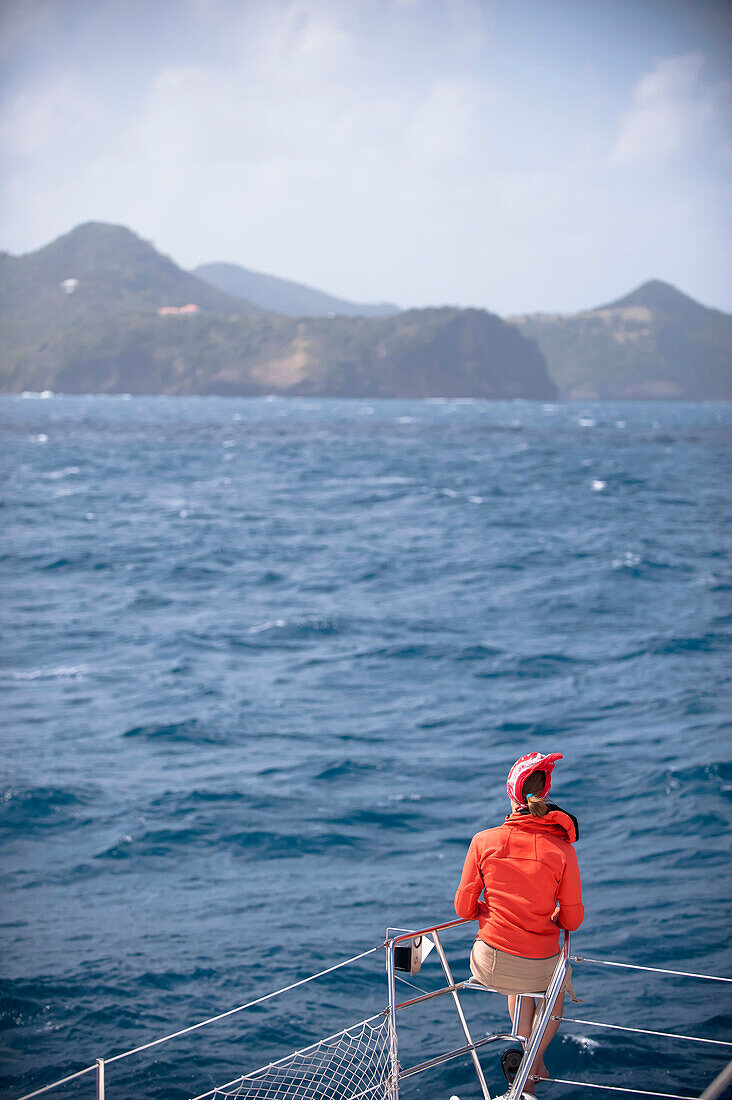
101 311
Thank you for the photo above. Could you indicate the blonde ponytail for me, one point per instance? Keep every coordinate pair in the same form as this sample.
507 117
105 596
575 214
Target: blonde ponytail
533 785
537 806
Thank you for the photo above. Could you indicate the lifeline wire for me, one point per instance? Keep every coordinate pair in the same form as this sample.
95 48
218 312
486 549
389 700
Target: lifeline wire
413 986
62 1081
203 1023
650 969
363 955
356 1057
617 1088
644 1031
240 1008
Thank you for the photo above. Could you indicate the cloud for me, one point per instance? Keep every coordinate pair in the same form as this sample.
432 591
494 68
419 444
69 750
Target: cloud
56 112
444 129
377 148
300 36
674 109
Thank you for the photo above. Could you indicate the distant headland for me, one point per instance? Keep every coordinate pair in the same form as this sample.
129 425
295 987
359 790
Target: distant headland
99 310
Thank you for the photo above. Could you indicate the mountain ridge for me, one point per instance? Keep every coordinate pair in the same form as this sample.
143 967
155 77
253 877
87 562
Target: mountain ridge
270 292
656 294
95 271
134 266
654 343
95 308
100 310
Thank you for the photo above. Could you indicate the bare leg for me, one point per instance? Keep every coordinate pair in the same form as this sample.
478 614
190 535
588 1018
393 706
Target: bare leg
539 1069
528 1008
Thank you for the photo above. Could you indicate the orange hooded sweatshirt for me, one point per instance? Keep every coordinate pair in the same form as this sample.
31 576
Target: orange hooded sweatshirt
527 867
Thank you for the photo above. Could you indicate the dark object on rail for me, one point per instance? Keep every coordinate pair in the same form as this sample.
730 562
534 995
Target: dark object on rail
510 1062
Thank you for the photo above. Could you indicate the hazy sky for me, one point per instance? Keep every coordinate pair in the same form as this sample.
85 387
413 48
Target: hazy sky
513 154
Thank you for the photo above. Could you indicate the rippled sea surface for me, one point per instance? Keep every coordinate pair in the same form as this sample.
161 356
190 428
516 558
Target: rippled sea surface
266 665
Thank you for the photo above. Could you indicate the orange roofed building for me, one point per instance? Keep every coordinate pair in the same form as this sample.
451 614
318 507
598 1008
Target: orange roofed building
166 311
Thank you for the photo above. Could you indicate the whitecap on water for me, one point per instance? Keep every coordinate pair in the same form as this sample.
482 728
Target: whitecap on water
405 420
67 471
71 672
584 1042
628 561
598 485
40 438
271 624
586 422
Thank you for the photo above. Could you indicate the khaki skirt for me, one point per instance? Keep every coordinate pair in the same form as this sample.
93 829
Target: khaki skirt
512 974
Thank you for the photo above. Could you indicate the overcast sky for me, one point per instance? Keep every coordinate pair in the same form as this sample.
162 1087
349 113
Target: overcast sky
519 155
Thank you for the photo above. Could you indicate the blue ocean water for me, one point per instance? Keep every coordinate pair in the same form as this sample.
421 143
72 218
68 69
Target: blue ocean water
266 665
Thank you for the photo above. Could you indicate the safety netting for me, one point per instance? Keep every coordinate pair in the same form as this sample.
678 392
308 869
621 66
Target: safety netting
353 1063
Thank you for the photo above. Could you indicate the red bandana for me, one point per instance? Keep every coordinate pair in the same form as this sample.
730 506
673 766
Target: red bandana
524 766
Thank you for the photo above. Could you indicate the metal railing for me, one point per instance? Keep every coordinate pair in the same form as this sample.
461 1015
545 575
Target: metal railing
531 1045
541 1021
397 937
101 1063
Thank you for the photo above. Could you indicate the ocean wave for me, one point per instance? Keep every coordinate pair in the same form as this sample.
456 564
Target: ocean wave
34 810
191 731
58 672
347 769
155 844
67 471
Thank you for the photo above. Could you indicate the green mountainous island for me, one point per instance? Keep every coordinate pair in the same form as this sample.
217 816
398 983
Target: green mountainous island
101 311
653 343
